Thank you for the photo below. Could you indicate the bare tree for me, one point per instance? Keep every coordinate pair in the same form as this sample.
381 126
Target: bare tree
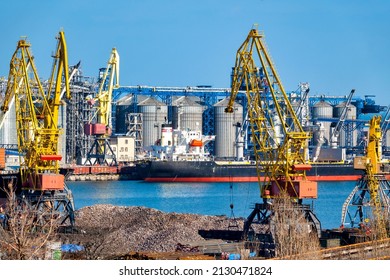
26 229
377 232
294 236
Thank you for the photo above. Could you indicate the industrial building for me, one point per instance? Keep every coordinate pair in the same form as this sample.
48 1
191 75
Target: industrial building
139 112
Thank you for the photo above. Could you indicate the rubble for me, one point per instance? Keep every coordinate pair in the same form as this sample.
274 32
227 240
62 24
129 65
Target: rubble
114 230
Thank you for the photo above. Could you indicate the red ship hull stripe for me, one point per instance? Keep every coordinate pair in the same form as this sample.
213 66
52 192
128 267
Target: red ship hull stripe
252 179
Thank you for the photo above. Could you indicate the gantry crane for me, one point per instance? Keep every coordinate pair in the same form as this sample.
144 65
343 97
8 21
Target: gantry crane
280 143
38 132
101 151
368 205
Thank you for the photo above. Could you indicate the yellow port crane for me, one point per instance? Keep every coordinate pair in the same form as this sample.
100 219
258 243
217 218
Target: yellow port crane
101 151
38 131
368 205
279 142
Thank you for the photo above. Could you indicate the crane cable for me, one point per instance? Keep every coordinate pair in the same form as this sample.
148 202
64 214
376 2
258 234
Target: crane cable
232 220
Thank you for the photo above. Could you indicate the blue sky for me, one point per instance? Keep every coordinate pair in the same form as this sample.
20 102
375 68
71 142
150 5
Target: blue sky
333 45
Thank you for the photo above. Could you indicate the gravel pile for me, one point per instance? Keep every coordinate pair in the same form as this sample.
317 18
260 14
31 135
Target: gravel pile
107 230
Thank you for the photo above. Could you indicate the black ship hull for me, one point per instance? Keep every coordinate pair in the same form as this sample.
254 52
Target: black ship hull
210 171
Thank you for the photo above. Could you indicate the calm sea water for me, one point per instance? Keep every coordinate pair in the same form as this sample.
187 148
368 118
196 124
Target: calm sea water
203 198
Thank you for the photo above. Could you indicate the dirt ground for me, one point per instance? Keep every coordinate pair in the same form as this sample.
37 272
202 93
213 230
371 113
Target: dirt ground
107 230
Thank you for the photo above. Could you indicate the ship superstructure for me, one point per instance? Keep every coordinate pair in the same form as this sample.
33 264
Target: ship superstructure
180 145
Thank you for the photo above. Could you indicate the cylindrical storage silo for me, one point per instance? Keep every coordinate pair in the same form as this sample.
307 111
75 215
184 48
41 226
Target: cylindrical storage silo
386 142
124 106
347 134
225 128
8 133
155 114
187 114
322 109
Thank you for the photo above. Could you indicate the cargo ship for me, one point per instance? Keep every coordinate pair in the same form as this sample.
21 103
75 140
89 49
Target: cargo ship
180 156
232 171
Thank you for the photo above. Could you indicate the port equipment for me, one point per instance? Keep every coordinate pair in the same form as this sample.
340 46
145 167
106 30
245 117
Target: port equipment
38 132
100 126
368 205
302 108
334 138
279 140
385 127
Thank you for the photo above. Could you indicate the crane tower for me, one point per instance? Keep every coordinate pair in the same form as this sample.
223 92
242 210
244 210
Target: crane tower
101 128
368 205
37 113
279 140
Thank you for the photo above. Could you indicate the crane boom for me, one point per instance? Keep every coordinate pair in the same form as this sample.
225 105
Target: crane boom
37 115
38 133
101 151
279 140
280 143
336 130
59 77
109 81
105 92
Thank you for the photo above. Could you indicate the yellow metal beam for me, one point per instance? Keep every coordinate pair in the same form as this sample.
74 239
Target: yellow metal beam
37 111
280 143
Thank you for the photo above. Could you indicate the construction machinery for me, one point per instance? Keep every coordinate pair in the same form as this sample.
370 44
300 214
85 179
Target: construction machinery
280 147
302 108
279 140
38 130
368 205
100 126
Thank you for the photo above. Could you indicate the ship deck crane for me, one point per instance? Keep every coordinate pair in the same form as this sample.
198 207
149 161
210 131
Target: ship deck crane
280 142
38 133
368 205
101 151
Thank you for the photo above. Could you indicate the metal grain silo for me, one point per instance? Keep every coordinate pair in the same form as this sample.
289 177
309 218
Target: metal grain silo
225 128
155 114
347 135
124 106
187 114
386 142
322 109
8 133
